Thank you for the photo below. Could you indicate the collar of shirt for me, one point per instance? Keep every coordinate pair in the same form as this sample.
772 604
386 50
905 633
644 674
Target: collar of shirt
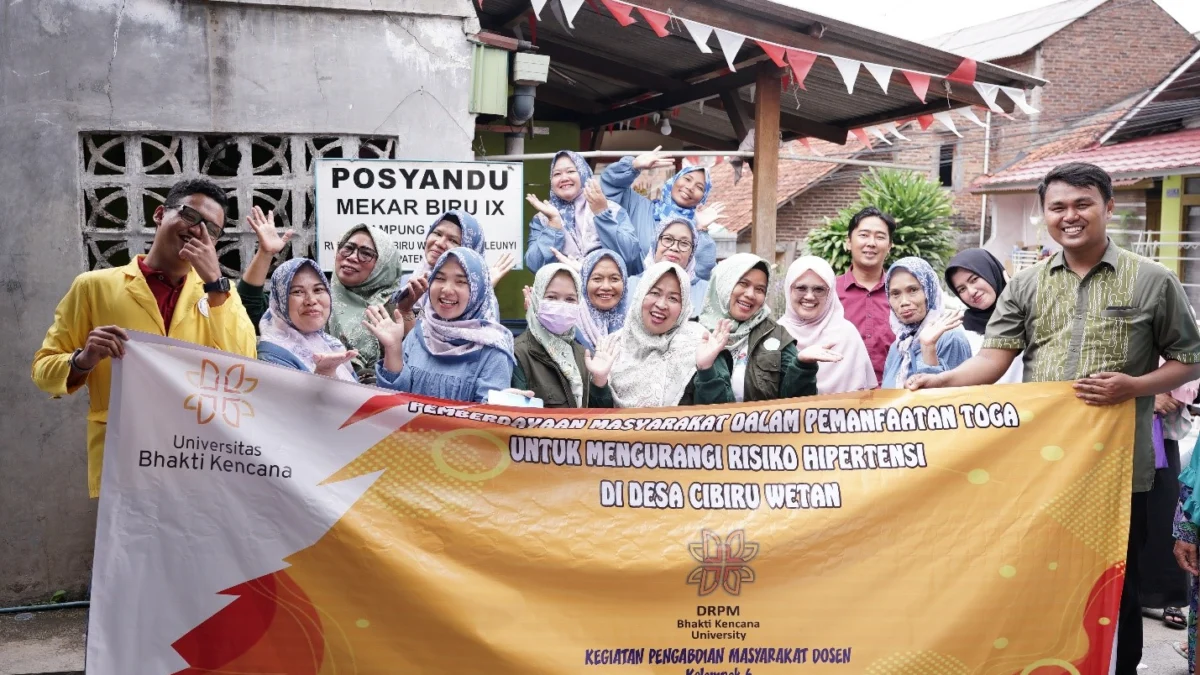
847 280
1058 261
158 275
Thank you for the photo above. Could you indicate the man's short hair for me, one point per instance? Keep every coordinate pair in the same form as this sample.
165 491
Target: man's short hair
1080 175
197 186
872 212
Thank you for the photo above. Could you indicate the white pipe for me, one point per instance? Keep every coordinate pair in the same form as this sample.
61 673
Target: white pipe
987 154
704 153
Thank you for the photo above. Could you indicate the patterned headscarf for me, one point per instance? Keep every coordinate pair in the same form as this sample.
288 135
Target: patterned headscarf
983 264
478 325
472 235
350 303
665 207
690 267
906 333
558 346
653 371
725 278
594 322
277 327
578 222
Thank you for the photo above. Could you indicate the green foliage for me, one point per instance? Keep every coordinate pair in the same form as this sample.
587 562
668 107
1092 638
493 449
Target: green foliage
922 210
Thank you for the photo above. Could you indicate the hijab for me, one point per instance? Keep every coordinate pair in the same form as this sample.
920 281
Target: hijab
558 346
725 277
276 325
478 326
472 236
983 264
665 208
579 227
350 303
662 226
653 371
907 332
855 371
596 323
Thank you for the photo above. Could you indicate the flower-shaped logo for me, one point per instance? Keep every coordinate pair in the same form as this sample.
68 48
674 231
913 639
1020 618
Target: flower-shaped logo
220 393
723 564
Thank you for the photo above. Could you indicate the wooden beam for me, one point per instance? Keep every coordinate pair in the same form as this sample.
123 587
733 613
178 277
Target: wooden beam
796 124
565 99
766 156
702 139
594 63
739 113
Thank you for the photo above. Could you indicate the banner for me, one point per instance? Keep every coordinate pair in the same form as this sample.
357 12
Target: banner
260 520
403 198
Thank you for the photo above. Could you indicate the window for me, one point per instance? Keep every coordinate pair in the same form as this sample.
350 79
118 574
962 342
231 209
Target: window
946 165
125 177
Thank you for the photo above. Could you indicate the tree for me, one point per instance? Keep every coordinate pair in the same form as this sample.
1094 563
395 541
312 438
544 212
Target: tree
921 207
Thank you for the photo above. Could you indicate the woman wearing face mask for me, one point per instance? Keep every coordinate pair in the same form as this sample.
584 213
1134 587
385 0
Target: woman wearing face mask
605 281
661 358
683 197
676 239
458 350
577 219
550 361
815 316
765 363
978 279
928 339
449 230
293 329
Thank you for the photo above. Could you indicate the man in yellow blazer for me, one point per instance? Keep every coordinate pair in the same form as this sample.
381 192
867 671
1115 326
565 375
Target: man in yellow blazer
176 290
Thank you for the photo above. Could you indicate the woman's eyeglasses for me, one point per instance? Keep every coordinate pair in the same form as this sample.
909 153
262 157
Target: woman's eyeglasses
681 245
817 292
349 249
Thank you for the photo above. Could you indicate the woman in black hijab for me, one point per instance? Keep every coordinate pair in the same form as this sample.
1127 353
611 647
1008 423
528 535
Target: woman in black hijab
978 279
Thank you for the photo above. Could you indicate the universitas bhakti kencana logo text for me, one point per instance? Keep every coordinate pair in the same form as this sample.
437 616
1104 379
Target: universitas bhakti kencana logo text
723 564
220 393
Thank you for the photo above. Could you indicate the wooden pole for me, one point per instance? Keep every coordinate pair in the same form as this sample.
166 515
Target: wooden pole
766 165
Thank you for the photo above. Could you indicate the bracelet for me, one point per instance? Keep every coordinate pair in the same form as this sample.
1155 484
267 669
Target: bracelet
76 366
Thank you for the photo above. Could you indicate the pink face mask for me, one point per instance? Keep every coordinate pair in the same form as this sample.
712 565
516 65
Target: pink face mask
557 316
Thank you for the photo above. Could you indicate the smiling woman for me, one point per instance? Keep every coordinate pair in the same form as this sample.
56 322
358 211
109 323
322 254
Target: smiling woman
928 339
293 329
366 273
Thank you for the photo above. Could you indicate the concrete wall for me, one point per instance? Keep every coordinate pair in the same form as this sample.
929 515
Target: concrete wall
323 66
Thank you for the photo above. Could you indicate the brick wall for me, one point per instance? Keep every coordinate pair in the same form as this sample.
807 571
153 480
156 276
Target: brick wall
809 209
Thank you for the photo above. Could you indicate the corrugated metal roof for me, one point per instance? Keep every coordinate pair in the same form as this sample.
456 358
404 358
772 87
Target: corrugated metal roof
1013 35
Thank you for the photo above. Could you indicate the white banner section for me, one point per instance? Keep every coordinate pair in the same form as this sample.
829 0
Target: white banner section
404 198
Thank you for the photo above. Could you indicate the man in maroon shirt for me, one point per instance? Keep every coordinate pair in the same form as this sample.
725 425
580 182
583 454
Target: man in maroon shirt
861 288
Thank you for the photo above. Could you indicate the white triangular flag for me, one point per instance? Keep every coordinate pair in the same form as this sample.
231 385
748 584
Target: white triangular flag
537 8
989 92
892 129
969 113
557 10
700 33
883 74
849 70
947 121
731 43
879 134
571 8
1018 97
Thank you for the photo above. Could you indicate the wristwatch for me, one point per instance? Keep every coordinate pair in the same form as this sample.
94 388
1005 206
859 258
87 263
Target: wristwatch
219 286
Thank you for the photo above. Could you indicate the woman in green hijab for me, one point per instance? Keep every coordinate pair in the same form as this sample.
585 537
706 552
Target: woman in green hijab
366 272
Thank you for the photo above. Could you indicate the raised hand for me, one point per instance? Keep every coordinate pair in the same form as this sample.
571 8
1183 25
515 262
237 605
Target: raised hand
503 266
652 160
948 321
708 215
563 258
269 241
326 365
417 286
201 252
102 343
549 213
712 344
600 363
389 332
528 293
819 354
596 200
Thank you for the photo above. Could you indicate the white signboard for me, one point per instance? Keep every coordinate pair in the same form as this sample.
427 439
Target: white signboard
403 197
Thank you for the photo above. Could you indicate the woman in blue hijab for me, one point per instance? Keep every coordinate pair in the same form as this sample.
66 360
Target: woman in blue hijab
449 230
606 291
928 339
675 242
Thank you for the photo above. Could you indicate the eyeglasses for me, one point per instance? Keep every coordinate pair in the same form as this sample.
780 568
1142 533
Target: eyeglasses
193 218
818 292
365 254
681 245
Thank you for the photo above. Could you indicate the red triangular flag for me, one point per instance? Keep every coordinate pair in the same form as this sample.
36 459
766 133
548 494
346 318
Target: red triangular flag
774 51
480 4
964 73
861 135
621 11
805 143
533 22
925 121
657 20
801 62
919 83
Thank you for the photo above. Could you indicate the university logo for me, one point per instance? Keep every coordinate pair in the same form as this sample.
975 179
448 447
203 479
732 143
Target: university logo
220 393
723 564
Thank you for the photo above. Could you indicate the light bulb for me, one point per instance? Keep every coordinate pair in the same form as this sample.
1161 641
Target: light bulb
666 127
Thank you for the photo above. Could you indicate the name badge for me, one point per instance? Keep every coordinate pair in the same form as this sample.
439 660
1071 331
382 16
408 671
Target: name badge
771 344
203 306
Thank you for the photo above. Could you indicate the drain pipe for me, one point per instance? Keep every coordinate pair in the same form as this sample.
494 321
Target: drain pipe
43 608
987 153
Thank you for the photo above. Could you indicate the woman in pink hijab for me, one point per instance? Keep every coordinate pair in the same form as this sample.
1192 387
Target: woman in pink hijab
815 316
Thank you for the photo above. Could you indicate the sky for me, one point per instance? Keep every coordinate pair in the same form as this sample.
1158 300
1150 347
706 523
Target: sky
916 19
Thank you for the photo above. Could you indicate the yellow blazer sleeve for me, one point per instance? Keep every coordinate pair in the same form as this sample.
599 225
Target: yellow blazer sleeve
72 323
232 329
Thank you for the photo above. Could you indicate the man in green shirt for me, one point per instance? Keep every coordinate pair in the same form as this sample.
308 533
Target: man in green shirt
1101 316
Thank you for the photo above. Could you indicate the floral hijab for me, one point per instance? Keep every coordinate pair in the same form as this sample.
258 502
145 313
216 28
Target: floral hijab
596 323
350 303
558 346
276 325
907 332
472 235
665 207
578 223
478 326
725 278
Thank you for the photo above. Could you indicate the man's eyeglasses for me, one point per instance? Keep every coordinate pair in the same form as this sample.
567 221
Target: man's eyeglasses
365 254
681 245
193 218
818 292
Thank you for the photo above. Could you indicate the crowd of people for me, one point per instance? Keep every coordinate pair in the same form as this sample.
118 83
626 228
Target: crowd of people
629 308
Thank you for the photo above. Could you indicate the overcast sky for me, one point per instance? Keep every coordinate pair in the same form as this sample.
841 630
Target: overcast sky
915 19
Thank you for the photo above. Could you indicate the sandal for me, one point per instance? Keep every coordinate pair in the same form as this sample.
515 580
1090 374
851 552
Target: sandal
1173 618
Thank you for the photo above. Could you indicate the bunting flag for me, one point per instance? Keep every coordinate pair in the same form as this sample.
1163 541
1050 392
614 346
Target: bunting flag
621 11
700 34
879 134
731 44
882 74
570 9
969 113
925 121
1018 97
989 93
849 70
538 5
947 121
964 73
919 83
862 137
774 51
657 20
807 145
801 62
893 129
